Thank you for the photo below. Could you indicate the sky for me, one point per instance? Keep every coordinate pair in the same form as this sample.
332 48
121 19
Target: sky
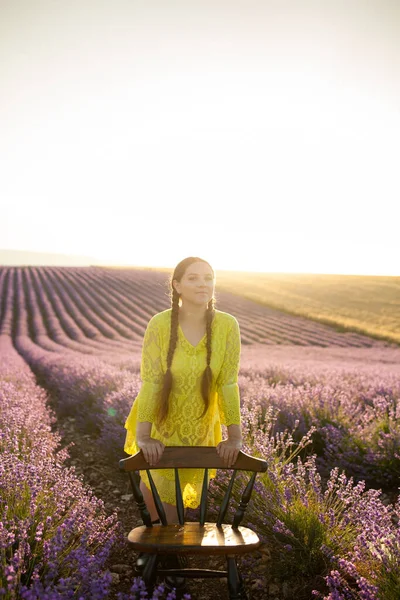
259 135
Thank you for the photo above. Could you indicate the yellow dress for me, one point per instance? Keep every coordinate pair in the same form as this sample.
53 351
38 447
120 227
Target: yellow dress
183 427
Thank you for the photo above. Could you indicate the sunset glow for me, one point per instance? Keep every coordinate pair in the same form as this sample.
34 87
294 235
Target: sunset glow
257 139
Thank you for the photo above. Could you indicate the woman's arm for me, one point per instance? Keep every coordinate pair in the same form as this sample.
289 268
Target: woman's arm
152 375
228 390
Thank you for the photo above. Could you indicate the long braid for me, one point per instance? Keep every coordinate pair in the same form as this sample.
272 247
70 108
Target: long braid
167 383
207 375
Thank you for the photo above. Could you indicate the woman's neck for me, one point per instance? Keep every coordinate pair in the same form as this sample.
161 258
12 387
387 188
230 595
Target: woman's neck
192 313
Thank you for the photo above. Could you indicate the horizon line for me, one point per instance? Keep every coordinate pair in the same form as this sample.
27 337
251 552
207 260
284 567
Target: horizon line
108 264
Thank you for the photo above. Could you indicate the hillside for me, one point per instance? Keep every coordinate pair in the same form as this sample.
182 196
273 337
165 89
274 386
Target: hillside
366 304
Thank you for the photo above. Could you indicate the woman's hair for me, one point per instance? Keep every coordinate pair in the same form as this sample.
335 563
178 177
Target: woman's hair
178 273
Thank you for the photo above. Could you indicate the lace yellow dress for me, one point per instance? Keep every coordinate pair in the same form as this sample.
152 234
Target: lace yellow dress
183 427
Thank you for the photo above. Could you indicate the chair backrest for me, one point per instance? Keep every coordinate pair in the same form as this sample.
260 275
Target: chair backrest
189 457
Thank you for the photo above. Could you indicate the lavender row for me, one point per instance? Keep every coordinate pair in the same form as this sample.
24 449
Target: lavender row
54 534
111 321
32 314
88 553
62 331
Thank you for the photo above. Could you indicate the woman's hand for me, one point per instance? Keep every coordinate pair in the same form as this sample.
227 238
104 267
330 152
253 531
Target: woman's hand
228 450
152 449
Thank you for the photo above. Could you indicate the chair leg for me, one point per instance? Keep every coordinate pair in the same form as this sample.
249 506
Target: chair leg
242 591
234 584
150 572
178 582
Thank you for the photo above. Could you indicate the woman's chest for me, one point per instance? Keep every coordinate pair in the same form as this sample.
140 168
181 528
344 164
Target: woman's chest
189 363
192 334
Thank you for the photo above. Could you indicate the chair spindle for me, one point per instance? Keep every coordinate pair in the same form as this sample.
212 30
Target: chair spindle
179 500
244 502
157 499
134 478
225 501
203 501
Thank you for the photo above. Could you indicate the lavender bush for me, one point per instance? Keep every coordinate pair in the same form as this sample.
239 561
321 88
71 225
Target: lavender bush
54 534
356 417
138 591
337 536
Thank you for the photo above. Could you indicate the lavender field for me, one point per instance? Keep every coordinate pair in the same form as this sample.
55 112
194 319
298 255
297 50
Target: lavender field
322 406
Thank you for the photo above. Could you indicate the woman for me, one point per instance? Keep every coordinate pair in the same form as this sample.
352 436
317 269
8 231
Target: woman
189 371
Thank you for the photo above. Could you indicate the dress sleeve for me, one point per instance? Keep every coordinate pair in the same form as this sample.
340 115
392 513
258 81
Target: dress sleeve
227 380
151 374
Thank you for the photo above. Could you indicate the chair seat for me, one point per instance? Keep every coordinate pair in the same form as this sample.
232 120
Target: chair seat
192 538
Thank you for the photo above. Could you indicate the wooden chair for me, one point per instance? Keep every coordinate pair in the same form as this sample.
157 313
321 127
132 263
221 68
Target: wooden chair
193 538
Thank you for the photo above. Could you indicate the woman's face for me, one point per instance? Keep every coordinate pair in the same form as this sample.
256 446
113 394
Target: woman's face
197 284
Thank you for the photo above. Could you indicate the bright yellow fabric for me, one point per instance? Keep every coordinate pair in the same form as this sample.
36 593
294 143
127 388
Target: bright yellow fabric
183 427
